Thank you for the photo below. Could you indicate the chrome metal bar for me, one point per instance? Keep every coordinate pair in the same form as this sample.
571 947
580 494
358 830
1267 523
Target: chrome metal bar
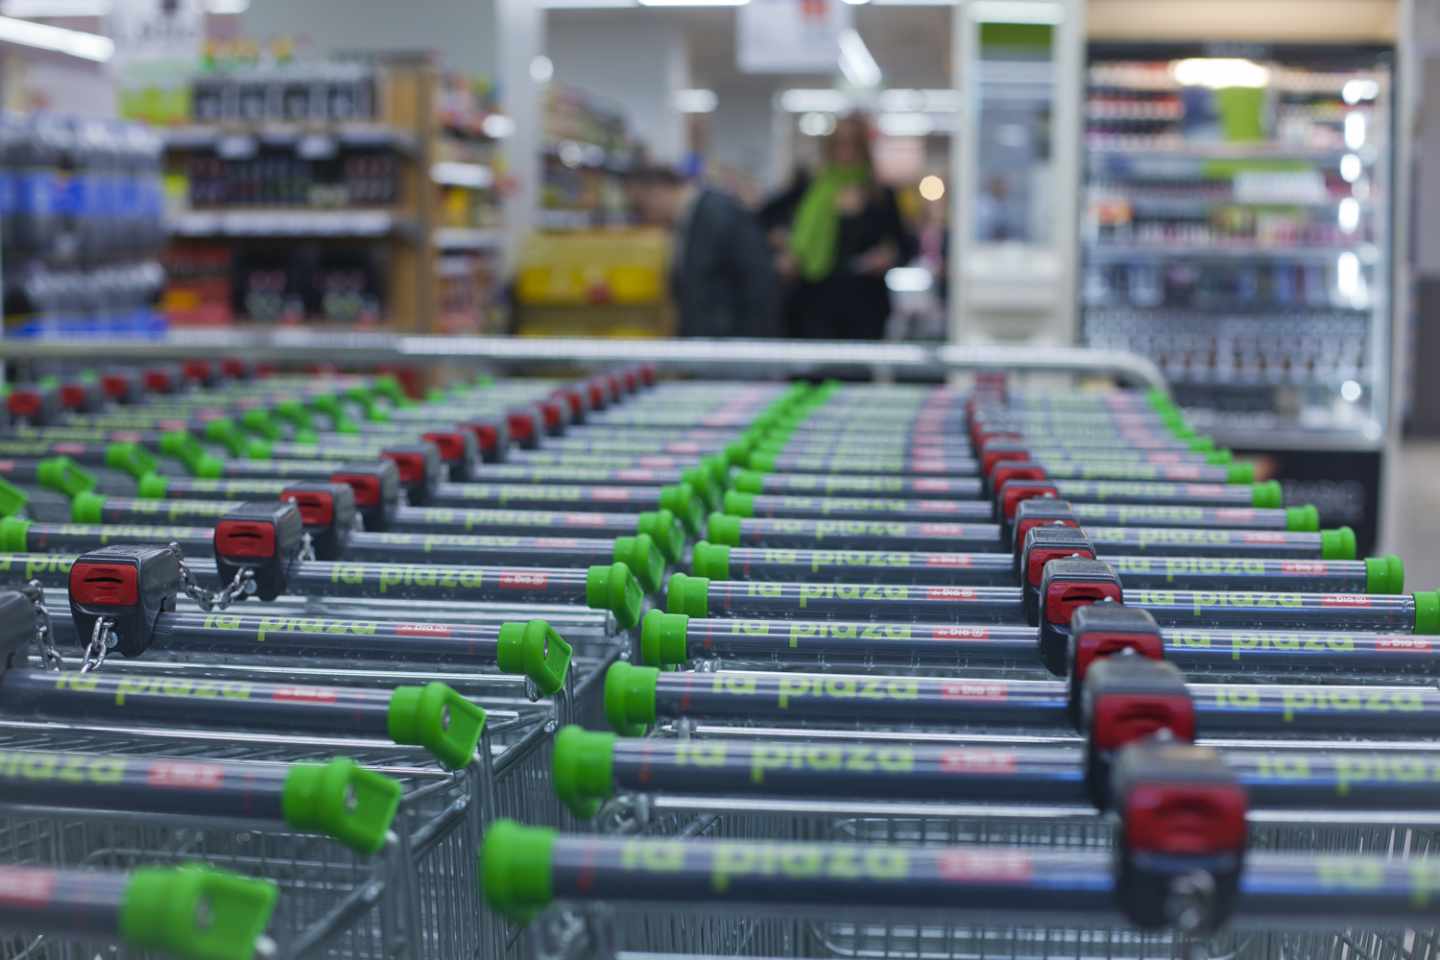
694 354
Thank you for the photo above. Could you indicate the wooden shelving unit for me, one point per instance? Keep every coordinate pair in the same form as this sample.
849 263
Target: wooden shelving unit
433 246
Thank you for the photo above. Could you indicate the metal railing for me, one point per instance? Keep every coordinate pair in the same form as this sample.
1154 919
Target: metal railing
749 356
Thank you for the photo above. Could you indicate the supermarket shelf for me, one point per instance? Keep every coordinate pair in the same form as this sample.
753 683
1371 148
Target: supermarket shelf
1228 151
466 238
1273 432
559 221
1228 312
232 138
1366 252
455 267
472 176
343 346
588 156
285 223
1199 206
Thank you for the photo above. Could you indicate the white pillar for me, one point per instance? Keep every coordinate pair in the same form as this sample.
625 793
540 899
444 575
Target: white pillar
743 133
634 59
521 24
1018 290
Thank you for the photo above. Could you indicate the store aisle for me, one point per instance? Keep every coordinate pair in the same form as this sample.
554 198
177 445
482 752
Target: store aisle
1414 530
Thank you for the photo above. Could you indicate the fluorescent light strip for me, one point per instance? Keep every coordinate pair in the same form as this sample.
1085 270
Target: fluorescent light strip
693 3
901 100
1218 73
696 101
47 9
455 174
908 279
74 43
588 4
857 63
32 9
1015 11
798 100
905 124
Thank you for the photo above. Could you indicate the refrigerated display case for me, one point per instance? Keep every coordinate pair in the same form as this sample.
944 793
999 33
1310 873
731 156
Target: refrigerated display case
1237 231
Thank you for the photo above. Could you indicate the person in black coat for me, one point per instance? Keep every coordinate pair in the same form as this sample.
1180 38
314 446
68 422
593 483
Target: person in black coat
722 275
845 236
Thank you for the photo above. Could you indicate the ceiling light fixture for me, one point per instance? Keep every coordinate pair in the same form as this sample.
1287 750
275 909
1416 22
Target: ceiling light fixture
1015 11
693 3
817 124
905 124
1219 73
901 100
41 36
798 100
39 9
857 63
698 100
588 4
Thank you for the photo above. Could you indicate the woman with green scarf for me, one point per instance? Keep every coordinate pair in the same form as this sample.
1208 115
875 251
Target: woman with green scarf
846 234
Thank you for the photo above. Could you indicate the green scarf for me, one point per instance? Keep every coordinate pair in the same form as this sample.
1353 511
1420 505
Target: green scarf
817 221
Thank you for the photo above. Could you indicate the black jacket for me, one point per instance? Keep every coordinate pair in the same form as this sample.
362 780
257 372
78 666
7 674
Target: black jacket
848 305
722 277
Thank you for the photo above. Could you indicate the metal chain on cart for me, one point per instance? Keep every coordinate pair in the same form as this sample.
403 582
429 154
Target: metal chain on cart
102 641
242 586
44 632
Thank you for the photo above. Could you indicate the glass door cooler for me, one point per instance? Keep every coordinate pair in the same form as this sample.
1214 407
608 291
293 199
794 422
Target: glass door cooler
1236 229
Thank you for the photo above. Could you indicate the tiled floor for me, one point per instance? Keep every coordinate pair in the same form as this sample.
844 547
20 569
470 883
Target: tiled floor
1412 525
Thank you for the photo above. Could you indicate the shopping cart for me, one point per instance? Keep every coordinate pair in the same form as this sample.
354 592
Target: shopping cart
701 897
189 913
419 896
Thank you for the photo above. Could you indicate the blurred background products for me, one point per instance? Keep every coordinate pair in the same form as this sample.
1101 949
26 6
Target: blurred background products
1239 192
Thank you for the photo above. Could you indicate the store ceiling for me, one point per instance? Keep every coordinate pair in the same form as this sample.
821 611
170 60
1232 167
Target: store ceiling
911 44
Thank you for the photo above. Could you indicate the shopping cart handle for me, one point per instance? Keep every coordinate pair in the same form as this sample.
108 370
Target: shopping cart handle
19 628
264 538
328 513
342 799
37 404
1127 699
1013 491
459 451
1043 544
1065 586
1105 630
1181 844
537 651
1038 511
128 585
640 554
439 719
377 490
665 530
196 913
492 436
419 466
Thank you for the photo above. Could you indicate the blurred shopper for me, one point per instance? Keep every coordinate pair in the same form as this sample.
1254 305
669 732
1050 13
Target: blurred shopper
722 275
776 215
846 234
